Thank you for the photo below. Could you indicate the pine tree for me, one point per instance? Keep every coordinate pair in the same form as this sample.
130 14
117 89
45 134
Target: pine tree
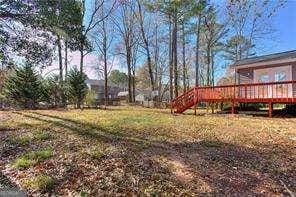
76 87
23 87
50 91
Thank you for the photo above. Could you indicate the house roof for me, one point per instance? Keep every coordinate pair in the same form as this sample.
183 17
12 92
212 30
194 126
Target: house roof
124 93
264 58
146 93
99 82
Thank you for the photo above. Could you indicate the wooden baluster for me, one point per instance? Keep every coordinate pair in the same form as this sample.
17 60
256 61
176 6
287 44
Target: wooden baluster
246 91
282 89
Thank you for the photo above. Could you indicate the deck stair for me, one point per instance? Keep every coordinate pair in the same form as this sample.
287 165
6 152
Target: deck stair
185 101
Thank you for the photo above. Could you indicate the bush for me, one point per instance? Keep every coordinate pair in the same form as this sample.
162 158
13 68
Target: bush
76 87
90 99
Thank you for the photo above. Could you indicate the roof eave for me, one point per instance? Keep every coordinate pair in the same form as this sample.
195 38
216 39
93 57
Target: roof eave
265 63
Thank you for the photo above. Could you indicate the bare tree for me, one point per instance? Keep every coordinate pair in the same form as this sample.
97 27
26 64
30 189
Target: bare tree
213 32
88 25
103 41
184 69
251 20
146 42
125 23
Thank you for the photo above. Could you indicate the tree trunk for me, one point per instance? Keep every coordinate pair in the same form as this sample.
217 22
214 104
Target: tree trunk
66 58
157 69
197 52
175 52
61 83
129 66
213 68
105 64
171 60
184 57
78 104
81 55
106 81
208 63
134 86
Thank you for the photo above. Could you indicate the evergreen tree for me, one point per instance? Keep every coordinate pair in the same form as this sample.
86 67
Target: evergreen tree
118 78
23 87
50 91
76 87
237 48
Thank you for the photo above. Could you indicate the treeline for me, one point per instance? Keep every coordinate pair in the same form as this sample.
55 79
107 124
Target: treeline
164 46
26 89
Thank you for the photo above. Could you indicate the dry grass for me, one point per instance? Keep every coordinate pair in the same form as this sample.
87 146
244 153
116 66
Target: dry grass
131 150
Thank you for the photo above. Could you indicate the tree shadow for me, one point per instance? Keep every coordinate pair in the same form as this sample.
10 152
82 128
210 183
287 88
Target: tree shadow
85 129
233 169
204 167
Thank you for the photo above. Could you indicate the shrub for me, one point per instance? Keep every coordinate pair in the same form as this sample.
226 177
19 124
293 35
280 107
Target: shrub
90 99
41 183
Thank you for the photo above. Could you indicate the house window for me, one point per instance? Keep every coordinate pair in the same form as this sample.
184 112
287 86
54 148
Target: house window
281 90
264 78
280 76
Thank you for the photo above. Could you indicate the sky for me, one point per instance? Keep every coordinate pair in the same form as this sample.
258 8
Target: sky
285 24
284 40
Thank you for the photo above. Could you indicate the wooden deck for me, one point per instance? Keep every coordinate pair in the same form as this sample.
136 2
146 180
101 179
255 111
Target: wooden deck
269 93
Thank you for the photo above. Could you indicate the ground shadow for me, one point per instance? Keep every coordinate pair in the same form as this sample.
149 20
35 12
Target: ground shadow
202 168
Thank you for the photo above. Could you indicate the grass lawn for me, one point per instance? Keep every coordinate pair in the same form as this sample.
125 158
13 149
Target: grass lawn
133 150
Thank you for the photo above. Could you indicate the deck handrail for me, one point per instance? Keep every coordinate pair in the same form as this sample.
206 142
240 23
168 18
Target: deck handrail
235 85
248 84
183 95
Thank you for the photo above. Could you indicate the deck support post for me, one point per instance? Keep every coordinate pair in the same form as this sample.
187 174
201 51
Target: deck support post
270 109
232 107
195 106
195 101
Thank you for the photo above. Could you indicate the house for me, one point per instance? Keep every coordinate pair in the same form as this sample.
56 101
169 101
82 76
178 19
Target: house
140 95
279 67
98 86
267 68
122 95
268 79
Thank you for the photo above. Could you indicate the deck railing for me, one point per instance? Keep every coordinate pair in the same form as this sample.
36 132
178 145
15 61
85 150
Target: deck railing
273 92
280 91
